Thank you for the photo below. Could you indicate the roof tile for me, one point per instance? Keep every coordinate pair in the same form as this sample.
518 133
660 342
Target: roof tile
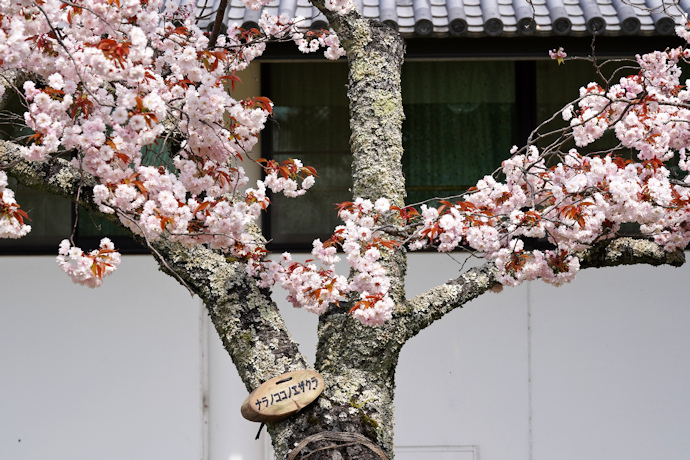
488 17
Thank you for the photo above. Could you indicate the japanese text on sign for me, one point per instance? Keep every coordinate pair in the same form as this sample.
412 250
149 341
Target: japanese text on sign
293 390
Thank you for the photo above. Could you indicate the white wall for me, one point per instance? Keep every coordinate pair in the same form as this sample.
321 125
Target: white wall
611 366
107 374
598 369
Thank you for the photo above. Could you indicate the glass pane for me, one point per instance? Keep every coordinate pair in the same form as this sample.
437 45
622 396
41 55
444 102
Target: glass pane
558 85
95 225
310 123
51 221
459 125
301 220
12 125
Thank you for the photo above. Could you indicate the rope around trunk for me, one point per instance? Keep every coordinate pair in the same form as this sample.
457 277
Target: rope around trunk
349 439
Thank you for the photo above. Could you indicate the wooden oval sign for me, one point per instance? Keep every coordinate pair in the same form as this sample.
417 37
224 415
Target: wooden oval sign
282 396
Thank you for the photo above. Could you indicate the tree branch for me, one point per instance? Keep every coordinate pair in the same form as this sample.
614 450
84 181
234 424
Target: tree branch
220 14
629 251
246 319
432 305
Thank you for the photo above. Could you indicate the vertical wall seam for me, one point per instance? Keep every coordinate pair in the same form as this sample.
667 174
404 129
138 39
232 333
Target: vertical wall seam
204 381
529 373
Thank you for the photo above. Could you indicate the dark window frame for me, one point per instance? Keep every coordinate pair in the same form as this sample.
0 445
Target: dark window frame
525 98
525 52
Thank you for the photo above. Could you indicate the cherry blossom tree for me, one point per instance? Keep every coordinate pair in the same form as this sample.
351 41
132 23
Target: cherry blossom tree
104 81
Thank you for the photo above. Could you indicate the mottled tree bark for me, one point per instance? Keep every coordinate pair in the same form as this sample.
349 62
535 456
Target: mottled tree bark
358 362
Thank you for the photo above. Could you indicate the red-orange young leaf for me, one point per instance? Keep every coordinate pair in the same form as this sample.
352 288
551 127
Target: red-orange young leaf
345 205
182 30
263 103
232 79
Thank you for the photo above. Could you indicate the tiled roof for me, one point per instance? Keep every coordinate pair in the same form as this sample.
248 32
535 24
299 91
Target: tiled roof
442 18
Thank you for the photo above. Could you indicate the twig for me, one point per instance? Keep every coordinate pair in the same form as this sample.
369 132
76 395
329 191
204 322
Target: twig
220 14
160 258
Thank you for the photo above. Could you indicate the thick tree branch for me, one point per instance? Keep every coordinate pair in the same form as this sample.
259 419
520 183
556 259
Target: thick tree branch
55 176
432 305
246 319
375 54
363 371
629 251
220 14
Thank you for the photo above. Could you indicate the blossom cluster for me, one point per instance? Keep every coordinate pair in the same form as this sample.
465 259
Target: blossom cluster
582 199
88 269
340 6
570 206
307 41
337 6
11 217
558 55
314 288
648 111
135 90
286 177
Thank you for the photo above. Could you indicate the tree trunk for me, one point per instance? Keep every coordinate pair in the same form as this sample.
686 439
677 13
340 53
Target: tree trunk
358 365
358 362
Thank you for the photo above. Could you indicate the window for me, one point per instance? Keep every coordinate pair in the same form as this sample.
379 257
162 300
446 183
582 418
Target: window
462 118
52 217
460 123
